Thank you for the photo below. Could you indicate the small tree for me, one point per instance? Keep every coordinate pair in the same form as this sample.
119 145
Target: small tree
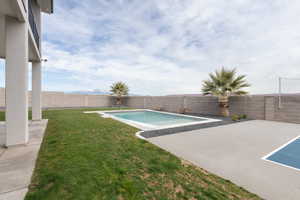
223 84
119 89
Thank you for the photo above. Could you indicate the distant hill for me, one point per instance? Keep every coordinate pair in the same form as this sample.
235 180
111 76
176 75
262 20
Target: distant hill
94 92
88 92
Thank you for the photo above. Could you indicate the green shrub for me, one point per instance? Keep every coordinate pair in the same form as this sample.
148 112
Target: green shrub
235 117
243 116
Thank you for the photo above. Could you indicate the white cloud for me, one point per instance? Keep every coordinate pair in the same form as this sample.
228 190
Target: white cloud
163 47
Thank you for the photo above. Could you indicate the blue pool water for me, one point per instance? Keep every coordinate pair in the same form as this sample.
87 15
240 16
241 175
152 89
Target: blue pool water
155 118
288 155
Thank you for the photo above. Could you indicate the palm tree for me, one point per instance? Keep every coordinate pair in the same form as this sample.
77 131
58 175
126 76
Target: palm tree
119 89
223 84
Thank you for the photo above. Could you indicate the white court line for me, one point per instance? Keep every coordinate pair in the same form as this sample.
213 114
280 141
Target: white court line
278 149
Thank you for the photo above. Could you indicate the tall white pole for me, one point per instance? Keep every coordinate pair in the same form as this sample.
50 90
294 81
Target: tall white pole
279 92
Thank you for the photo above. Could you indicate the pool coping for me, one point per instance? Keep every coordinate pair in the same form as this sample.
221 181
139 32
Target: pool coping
155 131
265 158
145 126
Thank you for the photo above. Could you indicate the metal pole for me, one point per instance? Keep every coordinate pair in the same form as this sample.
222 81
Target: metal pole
280 92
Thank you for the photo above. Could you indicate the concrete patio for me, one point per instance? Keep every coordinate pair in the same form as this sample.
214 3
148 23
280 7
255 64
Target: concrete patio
17 163
234 152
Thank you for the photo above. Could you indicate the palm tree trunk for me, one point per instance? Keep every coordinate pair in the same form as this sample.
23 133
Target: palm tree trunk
224 105
119 101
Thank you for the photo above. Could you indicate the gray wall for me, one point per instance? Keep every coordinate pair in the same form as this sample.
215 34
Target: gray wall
203 105
252 106
289 111
62 100
255 107
59 99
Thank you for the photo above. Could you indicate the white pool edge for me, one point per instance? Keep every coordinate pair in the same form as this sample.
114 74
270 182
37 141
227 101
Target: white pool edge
138 134
144 126
278 149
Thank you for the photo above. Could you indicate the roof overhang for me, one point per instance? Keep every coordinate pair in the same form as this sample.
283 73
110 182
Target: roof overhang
46 6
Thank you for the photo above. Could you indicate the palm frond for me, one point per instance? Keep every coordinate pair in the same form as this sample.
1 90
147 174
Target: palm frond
225 82
119 89
240 92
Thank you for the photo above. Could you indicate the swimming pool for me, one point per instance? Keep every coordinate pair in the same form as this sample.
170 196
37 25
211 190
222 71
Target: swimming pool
149 119
287 155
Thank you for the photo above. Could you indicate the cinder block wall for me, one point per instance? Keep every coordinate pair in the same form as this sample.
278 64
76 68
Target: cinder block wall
171 104
252 106
255 107
63 100
134 101
2 97
202 105
289 110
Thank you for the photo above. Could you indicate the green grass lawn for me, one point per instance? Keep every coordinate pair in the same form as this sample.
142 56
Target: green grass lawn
86 157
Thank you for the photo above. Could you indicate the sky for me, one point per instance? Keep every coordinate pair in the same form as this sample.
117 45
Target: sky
161 47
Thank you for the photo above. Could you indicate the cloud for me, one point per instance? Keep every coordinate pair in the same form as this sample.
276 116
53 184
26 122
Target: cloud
167 47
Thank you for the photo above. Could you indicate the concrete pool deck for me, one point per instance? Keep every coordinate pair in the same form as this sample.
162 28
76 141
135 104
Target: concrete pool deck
17 163
235 152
